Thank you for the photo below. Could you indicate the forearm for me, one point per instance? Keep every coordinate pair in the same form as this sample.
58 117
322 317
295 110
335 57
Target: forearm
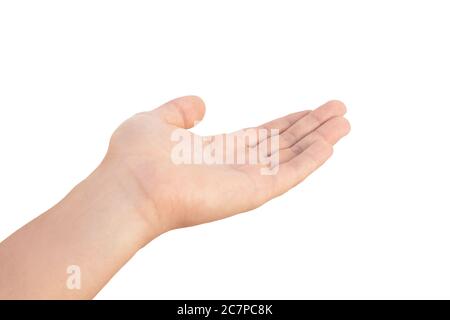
139 191
96 227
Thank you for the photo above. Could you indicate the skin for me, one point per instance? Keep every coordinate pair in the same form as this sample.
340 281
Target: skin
138 192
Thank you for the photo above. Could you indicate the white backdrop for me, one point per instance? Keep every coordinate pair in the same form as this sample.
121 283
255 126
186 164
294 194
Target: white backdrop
372 223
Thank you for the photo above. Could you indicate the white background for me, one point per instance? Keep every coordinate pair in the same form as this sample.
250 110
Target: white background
372 223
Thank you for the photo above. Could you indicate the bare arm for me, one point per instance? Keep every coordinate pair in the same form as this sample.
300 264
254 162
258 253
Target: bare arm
140 191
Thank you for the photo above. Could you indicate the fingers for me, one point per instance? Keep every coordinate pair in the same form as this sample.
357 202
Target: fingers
309 123
330 132
182 112
299 167
281 124
284 122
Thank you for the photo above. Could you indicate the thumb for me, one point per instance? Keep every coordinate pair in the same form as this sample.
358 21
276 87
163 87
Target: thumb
183 112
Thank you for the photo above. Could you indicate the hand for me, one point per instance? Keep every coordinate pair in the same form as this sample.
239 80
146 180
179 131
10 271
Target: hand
140 191
178 195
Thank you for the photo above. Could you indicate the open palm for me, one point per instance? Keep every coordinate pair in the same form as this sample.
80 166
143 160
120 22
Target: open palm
192 193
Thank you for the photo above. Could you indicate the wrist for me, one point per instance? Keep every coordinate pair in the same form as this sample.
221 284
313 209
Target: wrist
115 194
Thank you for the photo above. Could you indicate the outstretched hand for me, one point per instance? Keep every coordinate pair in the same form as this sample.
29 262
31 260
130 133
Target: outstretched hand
158 176
173 195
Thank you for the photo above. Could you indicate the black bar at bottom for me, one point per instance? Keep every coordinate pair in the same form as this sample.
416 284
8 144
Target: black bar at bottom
228 309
